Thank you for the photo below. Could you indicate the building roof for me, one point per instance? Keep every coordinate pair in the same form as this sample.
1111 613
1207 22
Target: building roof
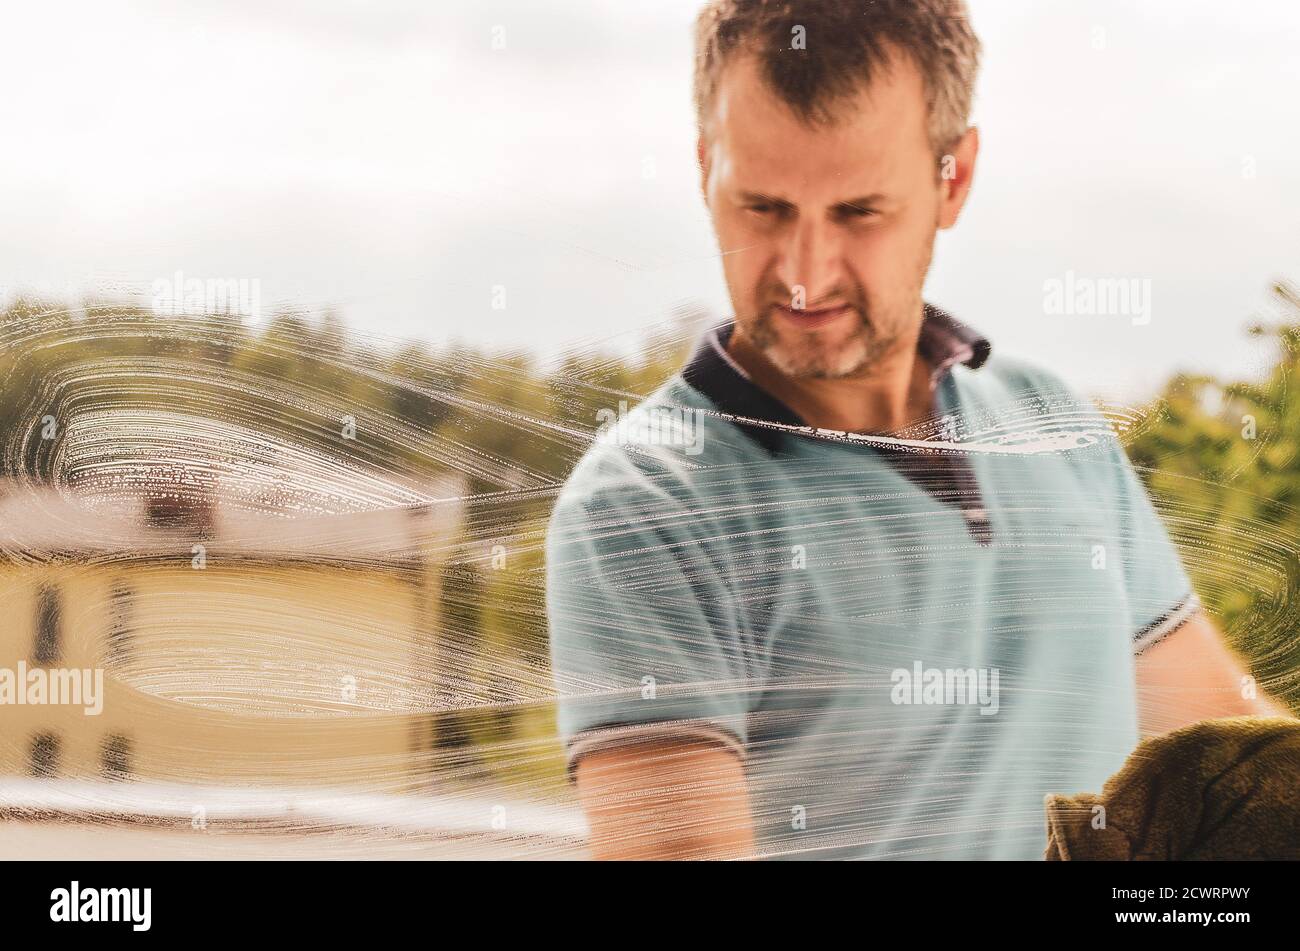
40 524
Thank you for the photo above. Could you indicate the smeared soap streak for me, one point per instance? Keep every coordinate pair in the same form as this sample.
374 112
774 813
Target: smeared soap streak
360 667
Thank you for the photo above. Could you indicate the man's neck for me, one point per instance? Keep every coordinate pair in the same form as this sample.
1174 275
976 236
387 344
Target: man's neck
897 393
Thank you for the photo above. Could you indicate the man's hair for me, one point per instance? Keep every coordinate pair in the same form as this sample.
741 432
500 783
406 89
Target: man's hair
815 53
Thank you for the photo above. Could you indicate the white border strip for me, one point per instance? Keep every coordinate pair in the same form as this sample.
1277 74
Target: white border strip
1166 625
612 737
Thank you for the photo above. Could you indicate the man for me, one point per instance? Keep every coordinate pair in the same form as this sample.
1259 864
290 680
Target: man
777 633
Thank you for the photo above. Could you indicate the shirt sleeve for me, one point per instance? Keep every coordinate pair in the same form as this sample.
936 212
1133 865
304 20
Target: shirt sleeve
644 633
1160 593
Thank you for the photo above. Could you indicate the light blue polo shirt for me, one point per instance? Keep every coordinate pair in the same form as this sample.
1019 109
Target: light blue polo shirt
909 644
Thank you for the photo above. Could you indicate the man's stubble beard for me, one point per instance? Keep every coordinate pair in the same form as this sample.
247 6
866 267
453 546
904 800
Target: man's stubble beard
813 357
875 338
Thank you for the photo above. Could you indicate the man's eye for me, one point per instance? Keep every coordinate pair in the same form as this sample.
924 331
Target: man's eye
761 209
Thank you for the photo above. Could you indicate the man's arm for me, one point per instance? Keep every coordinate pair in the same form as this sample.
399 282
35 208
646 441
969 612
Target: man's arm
1190 675
681 799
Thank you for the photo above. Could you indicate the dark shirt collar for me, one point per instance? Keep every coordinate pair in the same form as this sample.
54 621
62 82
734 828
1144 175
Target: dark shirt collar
943 341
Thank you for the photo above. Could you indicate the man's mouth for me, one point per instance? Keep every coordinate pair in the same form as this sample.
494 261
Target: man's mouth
812 318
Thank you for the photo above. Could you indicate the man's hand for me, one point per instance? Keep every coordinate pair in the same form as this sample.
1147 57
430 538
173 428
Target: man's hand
1192 675
682 799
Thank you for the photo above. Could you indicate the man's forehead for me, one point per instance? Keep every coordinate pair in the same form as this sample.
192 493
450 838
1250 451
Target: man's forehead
762 137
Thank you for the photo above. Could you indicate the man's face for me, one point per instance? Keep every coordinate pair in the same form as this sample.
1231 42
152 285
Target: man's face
826 232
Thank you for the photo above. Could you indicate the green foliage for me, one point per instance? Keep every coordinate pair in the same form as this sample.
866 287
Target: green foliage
1223 459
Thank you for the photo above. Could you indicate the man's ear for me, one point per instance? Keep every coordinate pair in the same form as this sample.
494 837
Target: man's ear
956 172
703 156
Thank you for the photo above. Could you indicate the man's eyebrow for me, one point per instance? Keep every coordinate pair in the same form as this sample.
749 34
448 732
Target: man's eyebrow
866 202
759 197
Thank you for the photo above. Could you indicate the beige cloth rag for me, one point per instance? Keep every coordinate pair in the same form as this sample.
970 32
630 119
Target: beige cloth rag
1220 789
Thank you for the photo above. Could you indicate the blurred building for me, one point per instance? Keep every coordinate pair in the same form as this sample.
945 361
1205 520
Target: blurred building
234 644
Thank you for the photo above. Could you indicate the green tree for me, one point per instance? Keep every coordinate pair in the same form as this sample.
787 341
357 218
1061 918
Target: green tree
1223 458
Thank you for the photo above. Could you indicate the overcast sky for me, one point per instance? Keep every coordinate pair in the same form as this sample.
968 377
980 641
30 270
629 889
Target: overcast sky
383 159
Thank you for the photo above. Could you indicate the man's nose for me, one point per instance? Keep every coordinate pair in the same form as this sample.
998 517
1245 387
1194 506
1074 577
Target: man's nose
811 260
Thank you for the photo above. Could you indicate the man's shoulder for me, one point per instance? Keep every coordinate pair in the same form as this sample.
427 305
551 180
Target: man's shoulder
642 454
1027 402
1025 377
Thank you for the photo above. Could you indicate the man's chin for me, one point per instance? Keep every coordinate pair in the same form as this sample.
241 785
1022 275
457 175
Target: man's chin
818 362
